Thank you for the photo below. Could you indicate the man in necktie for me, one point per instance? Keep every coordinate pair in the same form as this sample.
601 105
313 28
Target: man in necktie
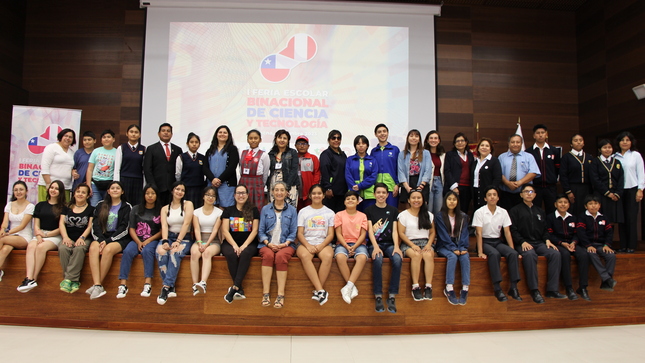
160 161
518 168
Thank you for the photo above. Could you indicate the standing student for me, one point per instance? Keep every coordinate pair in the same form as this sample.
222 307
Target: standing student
145 233
452 243
240 224
387 159
332 172
457 171
254 168
414 167
110 235
634 177
608 180
489 222
82 158
16 224
596 233
548 161
384 237
190 169
284 166
100 170
207 226
315 233
176 219
277 235
351 230
57 163
575 175
159 163
417 234
222 159
75 227
309 170
518 168
532 239
361 171
562 231
46 233
486 172
128 164
432 143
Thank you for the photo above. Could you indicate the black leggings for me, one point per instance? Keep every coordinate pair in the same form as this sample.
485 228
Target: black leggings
239 265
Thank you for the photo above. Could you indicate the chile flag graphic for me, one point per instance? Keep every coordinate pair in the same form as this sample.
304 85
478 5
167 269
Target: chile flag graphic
277 67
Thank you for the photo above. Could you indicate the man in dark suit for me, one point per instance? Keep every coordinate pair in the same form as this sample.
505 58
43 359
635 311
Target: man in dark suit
548 160
159 162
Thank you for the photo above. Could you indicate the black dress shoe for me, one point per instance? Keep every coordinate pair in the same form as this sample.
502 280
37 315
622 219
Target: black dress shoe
630 250
515 294
621 250
571 294
612 283
582 291
537 297
555 295
607 285
500 296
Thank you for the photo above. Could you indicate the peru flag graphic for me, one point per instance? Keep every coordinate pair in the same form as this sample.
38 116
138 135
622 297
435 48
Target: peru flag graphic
37 144
277 67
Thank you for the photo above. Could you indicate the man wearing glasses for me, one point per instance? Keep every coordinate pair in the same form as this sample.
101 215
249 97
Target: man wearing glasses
518 168
531 239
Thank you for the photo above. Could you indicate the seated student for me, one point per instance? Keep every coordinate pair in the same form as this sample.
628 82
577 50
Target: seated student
16 229
489 221
452 243
416 232
315 233
277 234
532 239
562 231
595 234
384 235
145 233
110 235
206 225
351 230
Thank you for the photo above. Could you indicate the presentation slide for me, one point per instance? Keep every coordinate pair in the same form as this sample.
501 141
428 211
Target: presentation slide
308 78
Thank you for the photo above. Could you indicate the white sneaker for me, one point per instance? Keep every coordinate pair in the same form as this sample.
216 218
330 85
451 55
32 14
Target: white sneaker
147 290
354 292
123 290
202 285
346 293
172 292
89 291
27 285
97 292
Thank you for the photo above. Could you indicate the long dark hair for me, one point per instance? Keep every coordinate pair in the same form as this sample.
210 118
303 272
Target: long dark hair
419 152
72 199
279 133
424 217
104 209
60 201
229 142
181 203
459 218
248 206
157 208
19 182
426 144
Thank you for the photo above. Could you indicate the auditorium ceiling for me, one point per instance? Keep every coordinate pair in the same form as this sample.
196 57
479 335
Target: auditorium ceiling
562 5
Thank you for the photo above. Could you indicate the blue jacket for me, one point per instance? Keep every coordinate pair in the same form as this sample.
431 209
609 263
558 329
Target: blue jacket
425 174
289 221
443 235
353 175
387 160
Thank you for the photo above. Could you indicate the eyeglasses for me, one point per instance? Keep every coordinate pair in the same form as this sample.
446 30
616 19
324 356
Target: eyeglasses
302 144
209 195
335 138
241 193
529 192
459 141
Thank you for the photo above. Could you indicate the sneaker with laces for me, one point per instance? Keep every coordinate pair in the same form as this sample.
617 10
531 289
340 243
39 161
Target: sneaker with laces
147 290
239 294
74 287
97 292
229 297
391 305
89 291
416 294
323 296
315 296
451 296
427 293
202 285
163 296
66 286
346 293
378 304
123 290
463 297
27 285
195 290
172 292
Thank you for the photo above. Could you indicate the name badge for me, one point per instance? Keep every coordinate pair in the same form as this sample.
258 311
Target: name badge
246 171
278 165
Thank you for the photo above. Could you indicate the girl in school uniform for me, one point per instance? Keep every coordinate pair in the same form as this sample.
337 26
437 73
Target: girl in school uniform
190 170
255 168
607 178
575 179
128 165
16 225
207 225
361 171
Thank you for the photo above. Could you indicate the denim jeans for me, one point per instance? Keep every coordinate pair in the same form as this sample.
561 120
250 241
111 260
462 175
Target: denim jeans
435 198
451 266
169 262
131 251
377 269
97 195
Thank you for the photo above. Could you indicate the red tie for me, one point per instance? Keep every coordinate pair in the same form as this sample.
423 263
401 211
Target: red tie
167 153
